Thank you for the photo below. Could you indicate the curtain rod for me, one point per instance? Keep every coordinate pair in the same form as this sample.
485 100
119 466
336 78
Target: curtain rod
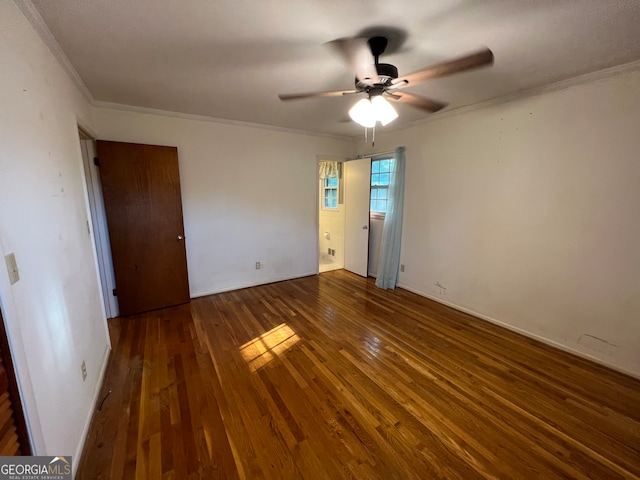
375 154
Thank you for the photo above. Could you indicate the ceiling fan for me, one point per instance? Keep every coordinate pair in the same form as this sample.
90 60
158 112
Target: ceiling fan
380 81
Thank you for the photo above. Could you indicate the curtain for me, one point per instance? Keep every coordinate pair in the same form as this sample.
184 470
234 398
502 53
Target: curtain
389 262
328 169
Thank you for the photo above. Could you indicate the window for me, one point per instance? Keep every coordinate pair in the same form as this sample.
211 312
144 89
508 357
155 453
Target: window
380 173
330 192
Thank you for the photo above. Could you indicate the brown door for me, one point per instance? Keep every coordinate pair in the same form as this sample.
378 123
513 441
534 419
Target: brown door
141 189
13 429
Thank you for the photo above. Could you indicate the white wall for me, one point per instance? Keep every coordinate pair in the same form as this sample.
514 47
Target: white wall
54 314
526 213
249 195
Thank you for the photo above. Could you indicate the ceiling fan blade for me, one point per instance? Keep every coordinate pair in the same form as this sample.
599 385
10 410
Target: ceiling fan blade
357 53
331 93
480 58
416 101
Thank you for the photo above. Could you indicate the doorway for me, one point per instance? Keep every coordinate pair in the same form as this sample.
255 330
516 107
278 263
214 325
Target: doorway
331 216
99 225
343 219
14 435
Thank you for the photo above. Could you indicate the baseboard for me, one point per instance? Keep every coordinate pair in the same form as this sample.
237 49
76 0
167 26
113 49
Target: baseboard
94 403
521 331
249 285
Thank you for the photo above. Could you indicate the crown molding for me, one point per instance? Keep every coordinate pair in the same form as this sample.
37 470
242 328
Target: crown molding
36 21
204 118
532 92
34 17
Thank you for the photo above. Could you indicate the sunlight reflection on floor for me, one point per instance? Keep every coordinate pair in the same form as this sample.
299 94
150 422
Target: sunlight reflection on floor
261 350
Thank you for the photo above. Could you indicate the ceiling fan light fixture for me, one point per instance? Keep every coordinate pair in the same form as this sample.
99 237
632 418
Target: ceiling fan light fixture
363 113
367 112
383 110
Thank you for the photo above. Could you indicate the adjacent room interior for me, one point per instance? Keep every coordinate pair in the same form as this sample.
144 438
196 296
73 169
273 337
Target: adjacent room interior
509 345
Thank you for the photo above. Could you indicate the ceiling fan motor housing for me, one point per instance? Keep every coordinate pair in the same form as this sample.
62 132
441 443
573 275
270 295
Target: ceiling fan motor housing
386 73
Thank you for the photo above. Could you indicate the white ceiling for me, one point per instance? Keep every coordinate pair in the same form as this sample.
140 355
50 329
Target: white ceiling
230 58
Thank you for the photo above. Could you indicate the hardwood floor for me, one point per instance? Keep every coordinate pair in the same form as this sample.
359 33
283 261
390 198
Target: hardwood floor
330 377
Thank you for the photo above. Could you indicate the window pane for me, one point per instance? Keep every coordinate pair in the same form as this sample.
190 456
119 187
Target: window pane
331 182
380 176
330 198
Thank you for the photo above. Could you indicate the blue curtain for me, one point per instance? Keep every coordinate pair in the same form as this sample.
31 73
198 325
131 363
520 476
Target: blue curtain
389 262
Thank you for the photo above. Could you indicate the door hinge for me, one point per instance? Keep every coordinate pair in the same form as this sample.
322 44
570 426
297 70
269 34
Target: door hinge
96 161
115 292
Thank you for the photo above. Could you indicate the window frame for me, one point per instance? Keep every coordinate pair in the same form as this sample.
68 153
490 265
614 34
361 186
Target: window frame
326 188
378 187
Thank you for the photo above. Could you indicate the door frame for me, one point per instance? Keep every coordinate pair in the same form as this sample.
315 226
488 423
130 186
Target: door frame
22 431
98 227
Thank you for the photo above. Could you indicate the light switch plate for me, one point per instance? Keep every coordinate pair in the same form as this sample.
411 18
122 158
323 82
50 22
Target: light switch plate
12 268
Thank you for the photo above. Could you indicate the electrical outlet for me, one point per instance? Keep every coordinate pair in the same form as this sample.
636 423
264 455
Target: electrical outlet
84 371
258 266
402 268
333 252
12 268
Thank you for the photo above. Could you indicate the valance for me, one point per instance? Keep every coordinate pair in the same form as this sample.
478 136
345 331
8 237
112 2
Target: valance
329 169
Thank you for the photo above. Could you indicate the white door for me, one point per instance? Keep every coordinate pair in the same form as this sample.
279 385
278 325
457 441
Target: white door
356 200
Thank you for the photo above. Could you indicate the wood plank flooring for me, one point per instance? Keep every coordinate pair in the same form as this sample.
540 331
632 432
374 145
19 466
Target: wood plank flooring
330 377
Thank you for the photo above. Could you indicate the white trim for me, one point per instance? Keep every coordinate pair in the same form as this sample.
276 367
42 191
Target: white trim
39 25
204 118
99 230
35 19
521 331
87 423
248 285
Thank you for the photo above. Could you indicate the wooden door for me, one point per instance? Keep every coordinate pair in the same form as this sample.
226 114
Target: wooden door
141 189
14 439
357 190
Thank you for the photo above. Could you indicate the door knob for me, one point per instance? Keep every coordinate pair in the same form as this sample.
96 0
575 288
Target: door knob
180 237
365 227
